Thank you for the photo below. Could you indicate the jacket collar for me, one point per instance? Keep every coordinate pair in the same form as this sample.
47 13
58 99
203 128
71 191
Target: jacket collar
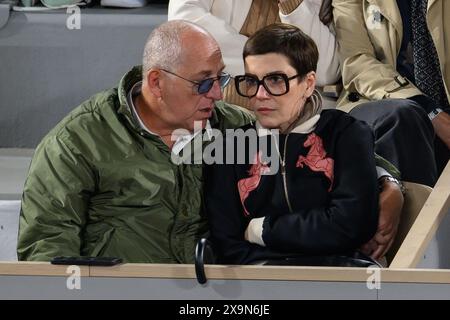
389 9
125 84
431 3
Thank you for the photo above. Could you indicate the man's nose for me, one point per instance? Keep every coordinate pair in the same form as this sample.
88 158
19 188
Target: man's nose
215 92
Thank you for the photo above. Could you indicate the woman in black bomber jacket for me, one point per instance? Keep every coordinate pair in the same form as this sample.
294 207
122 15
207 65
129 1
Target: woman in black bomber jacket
323 199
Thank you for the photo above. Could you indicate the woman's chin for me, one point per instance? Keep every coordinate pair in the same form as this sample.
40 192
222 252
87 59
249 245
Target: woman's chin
268 124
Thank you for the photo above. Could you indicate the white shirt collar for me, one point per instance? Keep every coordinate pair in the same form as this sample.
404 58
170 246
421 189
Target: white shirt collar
183 140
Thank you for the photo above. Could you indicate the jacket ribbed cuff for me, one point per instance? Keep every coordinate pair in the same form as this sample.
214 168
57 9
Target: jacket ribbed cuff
254 231
288 6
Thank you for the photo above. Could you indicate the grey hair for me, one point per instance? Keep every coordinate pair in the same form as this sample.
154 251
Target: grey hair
163 47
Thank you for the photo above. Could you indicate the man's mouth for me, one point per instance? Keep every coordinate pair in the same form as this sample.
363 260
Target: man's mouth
206 112
206 109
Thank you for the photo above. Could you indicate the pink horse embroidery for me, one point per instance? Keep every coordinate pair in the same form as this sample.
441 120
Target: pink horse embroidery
315 159
247 185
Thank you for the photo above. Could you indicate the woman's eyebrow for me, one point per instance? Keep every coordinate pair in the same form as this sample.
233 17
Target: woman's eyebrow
275 72
267 74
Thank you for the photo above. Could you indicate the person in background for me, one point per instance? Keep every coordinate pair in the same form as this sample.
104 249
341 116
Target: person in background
232 22
396 77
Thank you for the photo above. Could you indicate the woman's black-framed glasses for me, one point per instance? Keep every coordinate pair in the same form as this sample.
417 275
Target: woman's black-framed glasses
275 84
205 85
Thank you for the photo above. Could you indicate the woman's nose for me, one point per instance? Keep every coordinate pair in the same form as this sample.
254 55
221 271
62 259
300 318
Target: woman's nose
262 92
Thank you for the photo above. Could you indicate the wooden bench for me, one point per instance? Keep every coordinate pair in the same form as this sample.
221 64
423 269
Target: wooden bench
419 227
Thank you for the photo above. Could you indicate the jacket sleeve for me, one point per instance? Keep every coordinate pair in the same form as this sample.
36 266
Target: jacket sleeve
54 202
306 17
351 216
226 217
229 39
362 70
387 166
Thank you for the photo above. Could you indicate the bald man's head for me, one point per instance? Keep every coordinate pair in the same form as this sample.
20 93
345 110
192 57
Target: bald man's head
170 42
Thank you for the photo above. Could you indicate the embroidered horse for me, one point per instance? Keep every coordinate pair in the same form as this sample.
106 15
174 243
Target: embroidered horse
247 185
316 158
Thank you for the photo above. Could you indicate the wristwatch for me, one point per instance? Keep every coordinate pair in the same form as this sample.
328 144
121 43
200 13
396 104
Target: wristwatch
396 181
434 113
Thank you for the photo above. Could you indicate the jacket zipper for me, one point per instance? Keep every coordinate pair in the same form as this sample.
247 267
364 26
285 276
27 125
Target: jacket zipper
283 173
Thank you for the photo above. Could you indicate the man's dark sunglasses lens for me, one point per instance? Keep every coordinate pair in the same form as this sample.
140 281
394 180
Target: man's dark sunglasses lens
207 84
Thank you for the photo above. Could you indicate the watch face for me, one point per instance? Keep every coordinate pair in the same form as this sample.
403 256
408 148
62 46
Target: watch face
392 179
398 182
434 113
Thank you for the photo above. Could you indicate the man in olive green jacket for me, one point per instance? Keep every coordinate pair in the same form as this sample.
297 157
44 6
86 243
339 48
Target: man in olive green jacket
102 182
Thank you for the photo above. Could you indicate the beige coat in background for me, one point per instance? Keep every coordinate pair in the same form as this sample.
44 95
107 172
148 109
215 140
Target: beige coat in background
369 48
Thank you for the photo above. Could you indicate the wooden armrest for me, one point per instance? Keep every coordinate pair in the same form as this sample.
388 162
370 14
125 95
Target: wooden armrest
425 225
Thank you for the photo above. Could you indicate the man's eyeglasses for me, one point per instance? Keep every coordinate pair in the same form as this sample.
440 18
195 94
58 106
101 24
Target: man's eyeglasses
276 84
205 85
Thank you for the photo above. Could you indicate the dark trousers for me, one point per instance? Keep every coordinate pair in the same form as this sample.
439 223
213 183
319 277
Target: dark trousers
404 135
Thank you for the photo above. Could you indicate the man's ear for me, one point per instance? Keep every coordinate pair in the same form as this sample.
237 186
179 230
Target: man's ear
154 82
310 83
